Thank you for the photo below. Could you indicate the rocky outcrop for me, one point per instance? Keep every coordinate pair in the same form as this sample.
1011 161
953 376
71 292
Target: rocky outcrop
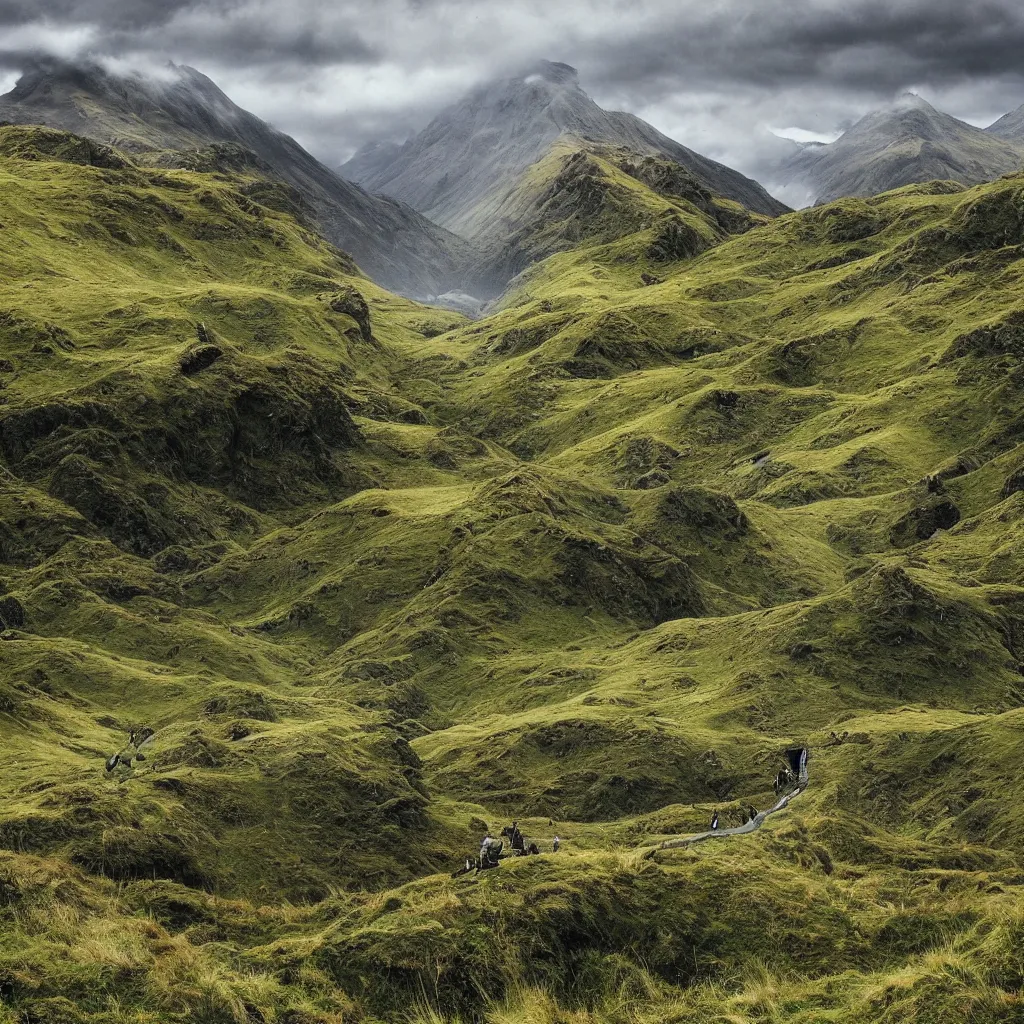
923 521
350 303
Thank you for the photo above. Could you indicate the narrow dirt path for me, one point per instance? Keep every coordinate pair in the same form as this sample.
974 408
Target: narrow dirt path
750 826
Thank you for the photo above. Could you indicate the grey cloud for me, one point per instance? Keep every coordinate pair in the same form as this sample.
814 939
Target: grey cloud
110 14
284 55
872 45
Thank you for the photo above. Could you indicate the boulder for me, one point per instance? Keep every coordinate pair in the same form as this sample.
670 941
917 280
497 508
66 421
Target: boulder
351 303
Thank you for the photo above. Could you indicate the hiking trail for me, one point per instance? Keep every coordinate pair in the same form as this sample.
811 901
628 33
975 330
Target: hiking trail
755 823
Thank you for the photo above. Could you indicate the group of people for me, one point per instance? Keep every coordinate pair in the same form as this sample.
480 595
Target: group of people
491 849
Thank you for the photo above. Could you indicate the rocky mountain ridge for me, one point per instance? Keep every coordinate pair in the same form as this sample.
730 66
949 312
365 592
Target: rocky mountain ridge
906 143
1009 126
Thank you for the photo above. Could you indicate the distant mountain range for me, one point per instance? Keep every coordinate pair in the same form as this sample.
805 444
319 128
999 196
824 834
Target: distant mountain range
184 112
518 169
908 142
483 161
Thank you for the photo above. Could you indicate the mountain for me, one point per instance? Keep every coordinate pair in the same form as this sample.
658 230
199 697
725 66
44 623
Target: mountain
382 580
485 168
180 115
903 144
458 169
1009 126
370 158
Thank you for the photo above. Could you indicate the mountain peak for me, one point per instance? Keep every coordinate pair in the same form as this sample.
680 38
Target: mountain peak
459 168
909 117
912 101
51 85
552 71
45 69
89 74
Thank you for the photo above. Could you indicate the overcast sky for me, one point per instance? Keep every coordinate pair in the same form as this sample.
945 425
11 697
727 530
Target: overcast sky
714 74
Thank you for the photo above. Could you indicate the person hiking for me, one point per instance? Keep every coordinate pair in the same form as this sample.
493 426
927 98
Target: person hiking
714 822
556 844
753 813
490 852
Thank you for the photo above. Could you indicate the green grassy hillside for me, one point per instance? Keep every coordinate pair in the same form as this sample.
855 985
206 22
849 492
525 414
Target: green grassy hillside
381 578
583 193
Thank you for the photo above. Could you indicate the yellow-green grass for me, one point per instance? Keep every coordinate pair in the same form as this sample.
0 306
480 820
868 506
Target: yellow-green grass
592 562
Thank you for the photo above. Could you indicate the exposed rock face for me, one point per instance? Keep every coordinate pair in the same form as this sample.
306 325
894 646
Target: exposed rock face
351 303
921 522
185 112
677 241
905 144
199 358
458 169
12 614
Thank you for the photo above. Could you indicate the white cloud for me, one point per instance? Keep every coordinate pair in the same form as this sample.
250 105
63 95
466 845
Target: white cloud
803 135
44 36
161 70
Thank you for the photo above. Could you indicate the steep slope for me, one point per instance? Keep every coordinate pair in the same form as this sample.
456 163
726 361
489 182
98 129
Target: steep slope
383 579
183 112
909 142
1009 126
461 167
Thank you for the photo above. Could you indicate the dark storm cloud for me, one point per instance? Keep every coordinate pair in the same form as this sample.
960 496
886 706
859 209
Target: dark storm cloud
713 73
111 14
234 32
869 44
283 53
